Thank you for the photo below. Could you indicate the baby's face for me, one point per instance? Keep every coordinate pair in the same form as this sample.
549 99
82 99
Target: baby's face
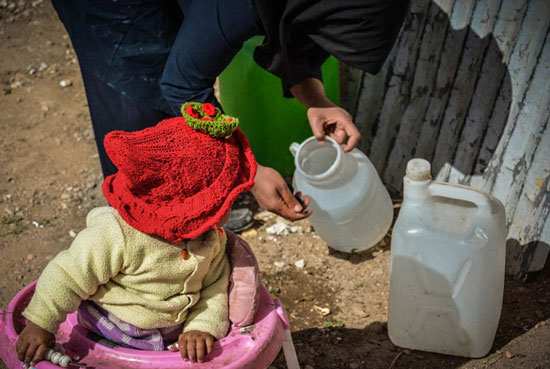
224 220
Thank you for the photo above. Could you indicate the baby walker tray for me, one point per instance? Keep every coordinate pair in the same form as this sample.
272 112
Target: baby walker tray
252 347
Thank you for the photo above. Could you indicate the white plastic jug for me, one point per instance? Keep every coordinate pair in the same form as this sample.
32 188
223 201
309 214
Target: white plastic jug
447 267
352 209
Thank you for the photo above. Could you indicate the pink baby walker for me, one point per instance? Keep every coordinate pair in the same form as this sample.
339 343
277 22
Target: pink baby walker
251 347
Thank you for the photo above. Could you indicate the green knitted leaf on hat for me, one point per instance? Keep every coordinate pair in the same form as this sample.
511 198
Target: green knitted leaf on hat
209 119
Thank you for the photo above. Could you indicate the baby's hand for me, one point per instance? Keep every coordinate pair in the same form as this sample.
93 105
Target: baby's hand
33 343
195 345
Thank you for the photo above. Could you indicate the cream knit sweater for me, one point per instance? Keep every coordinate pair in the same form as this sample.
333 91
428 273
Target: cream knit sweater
141 279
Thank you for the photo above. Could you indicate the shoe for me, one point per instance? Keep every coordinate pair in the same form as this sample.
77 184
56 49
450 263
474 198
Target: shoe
239 220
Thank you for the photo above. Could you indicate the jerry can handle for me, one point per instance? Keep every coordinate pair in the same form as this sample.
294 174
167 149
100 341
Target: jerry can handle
294 147
481 200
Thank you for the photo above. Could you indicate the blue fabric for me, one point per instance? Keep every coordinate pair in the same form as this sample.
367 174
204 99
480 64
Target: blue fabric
110 110
210 36
137 46
141 59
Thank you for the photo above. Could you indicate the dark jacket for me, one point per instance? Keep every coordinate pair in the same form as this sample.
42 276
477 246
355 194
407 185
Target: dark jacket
301 34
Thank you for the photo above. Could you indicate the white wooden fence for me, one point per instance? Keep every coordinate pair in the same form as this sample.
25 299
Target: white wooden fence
467 86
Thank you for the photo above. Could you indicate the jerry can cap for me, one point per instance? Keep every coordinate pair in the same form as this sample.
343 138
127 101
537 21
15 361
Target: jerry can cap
419 170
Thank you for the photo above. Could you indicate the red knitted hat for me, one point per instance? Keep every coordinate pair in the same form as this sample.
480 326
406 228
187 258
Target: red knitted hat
175 181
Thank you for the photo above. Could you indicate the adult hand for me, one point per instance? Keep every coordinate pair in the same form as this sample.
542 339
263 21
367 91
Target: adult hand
272 193
33 344
334 122
195 345
325 117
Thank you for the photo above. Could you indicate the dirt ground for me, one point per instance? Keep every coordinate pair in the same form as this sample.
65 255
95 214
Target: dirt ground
50 178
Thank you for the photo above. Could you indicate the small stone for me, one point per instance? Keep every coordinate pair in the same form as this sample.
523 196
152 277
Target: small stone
42 66
30 257
322 310
65 83
249 233
72 233
279 229
45 108
279 264
508 355
16 84
32 71
300 263
295 229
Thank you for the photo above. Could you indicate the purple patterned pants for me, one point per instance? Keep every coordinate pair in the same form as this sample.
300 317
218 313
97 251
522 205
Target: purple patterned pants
100 321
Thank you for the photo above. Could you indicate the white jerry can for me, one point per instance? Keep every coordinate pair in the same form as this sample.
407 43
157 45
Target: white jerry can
447 267
352 209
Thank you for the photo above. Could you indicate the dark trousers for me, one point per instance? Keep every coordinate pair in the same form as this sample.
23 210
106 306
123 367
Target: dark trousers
110 111
140 60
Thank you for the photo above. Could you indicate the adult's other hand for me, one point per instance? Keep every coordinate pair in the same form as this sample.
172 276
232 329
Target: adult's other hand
334 122
325 117
273 194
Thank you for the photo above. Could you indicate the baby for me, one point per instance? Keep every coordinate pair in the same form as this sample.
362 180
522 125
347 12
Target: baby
152 269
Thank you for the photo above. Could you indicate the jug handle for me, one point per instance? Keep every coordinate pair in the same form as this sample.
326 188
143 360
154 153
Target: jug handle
481 200
294 147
